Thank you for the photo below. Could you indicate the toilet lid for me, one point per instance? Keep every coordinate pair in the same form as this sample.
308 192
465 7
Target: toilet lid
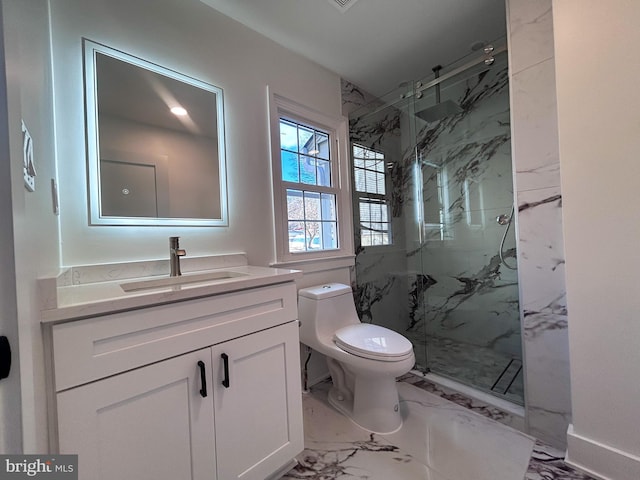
373 341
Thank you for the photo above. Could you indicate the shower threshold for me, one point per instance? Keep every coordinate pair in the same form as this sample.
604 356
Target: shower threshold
515 412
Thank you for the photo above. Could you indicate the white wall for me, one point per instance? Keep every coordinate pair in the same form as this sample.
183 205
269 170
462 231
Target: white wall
35 229
193 39
598 67
192 168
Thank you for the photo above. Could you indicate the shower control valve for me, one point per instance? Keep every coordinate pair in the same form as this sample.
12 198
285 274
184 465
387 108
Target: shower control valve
503 219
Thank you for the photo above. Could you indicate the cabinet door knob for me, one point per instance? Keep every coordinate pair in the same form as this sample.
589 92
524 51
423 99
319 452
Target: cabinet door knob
225 361
203 379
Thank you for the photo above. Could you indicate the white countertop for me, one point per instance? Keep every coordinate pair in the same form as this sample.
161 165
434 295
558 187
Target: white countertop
74 302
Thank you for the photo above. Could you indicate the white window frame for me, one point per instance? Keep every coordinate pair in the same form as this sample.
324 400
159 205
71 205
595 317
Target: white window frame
337 128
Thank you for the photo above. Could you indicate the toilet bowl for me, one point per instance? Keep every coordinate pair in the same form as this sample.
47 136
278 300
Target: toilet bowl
363 359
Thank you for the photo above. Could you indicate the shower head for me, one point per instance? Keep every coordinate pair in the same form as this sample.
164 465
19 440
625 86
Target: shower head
441 109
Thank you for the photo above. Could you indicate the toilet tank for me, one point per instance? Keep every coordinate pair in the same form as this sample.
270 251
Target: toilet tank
323 309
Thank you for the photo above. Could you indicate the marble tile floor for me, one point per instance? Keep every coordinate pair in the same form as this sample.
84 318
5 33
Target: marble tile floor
503 416
473 365
440 440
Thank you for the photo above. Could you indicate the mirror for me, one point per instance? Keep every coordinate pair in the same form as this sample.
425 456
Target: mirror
155 143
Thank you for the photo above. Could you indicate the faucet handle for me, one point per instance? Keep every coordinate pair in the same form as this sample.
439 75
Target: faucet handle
175 252
174 245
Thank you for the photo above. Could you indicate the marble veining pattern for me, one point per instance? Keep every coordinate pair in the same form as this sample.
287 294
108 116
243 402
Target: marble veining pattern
540 247
476 366
547 463
336 448
438 441
368 295
455 291
373 134
535 127
475 299
530 32
544 312
340 460
482 408
354 98
419 287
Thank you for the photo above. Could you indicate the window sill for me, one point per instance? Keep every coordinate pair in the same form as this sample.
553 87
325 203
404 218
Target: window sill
317 264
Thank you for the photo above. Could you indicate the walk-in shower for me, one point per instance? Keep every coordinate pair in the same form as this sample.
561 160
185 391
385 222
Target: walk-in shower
432 173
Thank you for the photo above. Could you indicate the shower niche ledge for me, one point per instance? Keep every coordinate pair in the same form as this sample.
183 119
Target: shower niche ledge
187 374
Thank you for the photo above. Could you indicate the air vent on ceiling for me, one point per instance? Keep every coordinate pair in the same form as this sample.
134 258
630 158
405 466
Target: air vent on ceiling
342 5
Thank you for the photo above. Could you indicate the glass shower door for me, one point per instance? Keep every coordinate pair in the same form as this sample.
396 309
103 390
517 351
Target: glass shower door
466 260
432 172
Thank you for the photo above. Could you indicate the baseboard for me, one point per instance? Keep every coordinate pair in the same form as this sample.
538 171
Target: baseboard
599 460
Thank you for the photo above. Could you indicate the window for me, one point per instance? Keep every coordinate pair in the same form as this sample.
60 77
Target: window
305 155
369 173
311 199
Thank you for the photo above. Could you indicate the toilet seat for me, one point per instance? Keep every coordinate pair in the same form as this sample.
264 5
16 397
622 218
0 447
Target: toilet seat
374 342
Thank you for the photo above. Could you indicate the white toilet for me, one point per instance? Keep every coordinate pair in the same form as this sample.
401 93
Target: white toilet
364 359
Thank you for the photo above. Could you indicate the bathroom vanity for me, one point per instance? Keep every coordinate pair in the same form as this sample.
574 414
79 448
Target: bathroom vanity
194 378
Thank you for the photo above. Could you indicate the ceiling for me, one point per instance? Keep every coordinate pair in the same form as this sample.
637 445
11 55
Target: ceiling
375 44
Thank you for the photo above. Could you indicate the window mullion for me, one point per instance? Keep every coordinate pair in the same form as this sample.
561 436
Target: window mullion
376 196
309 188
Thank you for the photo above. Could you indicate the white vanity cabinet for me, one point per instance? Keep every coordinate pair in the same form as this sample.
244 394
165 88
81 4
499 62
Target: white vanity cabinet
201 389
147 423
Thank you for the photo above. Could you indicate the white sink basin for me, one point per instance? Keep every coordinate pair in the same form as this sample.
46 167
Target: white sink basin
187 279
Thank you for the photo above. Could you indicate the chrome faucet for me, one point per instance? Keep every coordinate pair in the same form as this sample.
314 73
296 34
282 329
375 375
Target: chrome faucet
175 252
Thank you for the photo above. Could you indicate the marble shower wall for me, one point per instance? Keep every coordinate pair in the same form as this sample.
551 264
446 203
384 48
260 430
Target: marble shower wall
380 281
540 240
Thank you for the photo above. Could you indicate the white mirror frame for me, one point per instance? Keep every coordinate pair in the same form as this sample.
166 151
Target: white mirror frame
90 50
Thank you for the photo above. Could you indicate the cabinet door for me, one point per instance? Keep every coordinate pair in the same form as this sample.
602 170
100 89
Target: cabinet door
258 417
151 423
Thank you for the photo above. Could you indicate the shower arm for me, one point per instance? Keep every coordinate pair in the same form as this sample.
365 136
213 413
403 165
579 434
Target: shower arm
436 75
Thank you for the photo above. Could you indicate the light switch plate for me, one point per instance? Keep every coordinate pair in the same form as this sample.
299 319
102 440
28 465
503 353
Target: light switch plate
28 168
